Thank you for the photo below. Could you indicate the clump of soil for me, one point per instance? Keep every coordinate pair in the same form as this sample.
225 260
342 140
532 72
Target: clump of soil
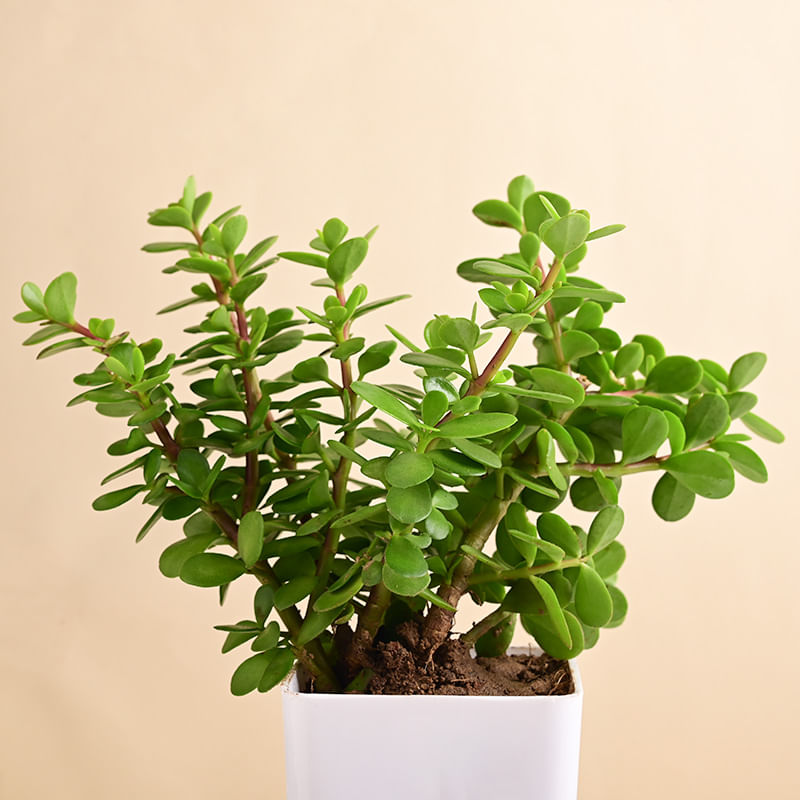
399 668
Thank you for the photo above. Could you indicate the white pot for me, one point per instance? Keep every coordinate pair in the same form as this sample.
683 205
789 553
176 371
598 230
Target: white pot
432 747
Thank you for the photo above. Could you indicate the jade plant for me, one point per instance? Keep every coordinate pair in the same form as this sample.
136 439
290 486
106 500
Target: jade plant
350 502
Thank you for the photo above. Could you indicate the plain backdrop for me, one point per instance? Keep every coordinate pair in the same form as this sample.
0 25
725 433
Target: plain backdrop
679 119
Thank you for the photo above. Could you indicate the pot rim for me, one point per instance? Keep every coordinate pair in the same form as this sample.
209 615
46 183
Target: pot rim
290 690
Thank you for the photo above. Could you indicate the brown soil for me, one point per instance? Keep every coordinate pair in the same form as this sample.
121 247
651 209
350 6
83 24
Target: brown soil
398 668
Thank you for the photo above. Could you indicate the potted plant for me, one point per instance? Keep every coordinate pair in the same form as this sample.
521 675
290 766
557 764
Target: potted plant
367 511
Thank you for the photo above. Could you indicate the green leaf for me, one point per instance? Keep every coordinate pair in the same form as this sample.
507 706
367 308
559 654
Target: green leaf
211 569
519 189
744 460
294 590
117 497
346 258
762 428
535 212
592 600
178 553
703 472
739 403
409 505
608 561
605 528
555 529
549 640
167 247
333 231
310 259
675 375
405 558
60 347
672 500
499 213
32 297
606 230
745 370
706 418
566 234
205 265
554 610
677 433
251 537
192 468
406 587
433 361
434 407
408 469
483 455
644 430
576 344
268 638
248 674
476 425
312 369
552 380
173 217
628 359
233 232
384 401
348 348
279 667
314 624
60 297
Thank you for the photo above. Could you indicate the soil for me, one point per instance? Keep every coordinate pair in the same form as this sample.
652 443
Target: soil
399 667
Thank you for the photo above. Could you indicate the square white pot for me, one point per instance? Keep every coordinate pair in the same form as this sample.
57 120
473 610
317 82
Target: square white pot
432 747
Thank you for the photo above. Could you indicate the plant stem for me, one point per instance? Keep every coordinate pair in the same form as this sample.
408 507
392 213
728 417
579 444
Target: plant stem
439 620
485 625
370 619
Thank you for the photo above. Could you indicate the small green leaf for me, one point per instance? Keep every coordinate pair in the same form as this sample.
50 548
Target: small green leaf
576 344
706 418
312 369
251 537
762 428
499 213
744 460
672 500
606 230
554 610
535 212
60 297
745 370
644 430
384 401
314 624
705 473
211 569
592 600
117 497
173 217
605 528
409 505
346 258
233 232
476 425
399 584
249 673
675 375
294 590
279 666
178 553
551 380
408 469
405 558
33 298
628 359
519 189
566 234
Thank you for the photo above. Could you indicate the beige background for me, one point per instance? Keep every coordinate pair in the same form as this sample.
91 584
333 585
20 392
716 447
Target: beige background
677 118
